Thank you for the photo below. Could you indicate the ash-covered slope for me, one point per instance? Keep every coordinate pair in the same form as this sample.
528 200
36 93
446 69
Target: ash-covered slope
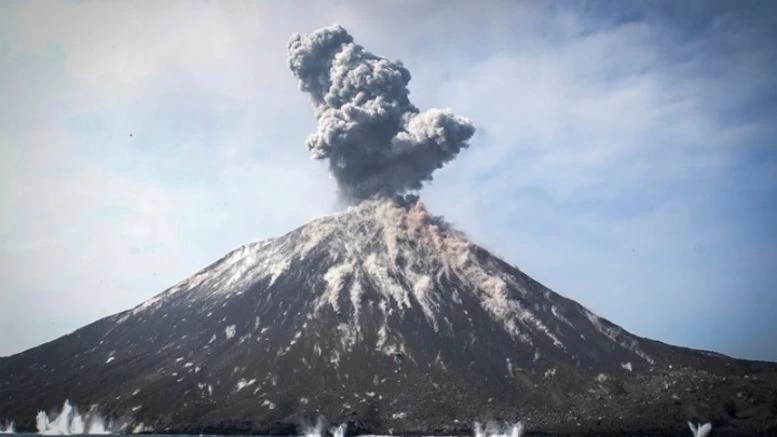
386 317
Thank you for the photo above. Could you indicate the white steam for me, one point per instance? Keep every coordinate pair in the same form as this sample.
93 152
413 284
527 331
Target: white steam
493 429
7 428
70 422
700 430
339 431
318 429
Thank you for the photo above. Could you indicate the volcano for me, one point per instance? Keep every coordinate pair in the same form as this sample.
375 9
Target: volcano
386 318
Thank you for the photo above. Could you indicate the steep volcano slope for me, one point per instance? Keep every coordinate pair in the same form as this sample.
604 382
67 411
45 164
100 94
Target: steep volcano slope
384 316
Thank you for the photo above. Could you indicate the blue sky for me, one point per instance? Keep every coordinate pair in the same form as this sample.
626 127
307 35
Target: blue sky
624 157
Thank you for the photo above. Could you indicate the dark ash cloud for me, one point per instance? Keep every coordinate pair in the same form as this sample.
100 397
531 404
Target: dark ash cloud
376 141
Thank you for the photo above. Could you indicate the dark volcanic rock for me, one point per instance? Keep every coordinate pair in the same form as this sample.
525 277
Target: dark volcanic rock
385 318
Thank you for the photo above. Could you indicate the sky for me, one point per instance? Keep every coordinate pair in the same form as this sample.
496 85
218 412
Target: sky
625 154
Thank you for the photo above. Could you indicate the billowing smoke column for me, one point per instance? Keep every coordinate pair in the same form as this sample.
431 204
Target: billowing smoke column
376 141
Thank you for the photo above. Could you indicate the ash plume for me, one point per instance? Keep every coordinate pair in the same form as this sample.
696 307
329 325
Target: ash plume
376 141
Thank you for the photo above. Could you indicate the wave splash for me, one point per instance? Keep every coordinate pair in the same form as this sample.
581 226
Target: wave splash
8 428
70 422
493 429
318 430
339 431
315 431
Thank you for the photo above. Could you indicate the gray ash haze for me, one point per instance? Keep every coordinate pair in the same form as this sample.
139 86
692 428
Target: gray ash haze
376 141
